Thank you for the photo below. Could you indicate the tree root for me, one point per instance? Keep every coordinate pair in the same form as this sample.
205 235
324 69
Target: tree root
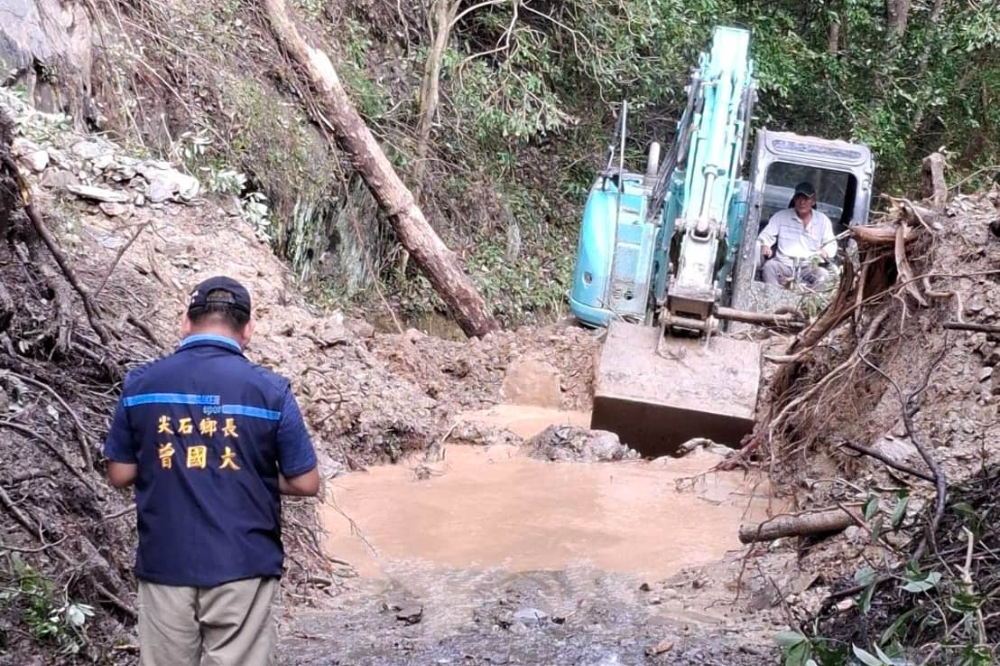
92 314
81 435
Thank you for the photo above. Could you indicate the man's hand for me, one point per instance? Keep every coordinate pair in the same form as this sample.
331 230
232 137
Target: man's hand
303 485
766 249
122 475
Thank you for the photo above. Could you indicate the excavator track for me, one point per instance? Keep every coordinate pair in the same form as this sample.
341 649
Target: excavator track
658 393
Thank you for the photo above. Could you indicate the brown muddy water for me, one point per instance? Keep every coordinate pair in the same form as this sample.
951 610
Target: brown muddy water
497 558
496 508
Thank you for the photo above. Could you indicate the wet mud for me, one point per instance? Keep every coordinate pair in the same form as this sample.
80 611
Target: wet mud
494 557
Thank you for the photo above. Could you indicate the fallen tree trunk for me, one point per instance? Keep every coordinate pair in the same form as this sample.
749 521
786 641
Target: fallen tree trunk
832 520
430 253
881 235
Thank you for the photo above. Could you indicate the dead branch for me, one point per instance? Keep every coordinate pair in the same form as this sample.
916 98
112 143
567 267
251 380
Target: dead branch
804 524
906 469
908 406
435 259
19 516
146 330
883 234
40 549
851 361
50 243
115 601
118 514
118 256
903 266
62 322
978 328
81 435
31 434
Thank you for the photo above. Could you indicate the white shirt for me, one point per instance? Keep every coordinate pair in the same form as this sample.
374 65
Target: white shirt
796 240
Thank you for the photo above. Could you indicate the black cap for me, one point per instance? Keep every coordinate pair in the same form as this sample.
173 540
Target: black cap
240 297
806 188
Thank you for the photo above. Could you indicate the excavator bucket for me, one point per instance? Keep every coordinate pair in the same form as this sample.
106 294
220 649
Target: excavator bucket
657 394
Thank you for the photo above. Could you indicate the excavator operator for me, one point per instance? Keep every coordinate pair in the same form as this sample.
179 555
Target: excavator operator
805 240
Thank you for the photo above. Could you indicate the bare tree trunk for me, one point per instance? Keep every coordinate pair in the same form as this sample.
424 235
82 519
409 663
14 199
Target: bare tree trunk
440 16
432 256
898 13
924 60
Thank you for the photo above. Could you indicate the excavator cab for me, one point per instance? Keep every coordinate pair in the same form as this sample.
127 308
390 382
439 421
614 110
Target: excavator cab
842 174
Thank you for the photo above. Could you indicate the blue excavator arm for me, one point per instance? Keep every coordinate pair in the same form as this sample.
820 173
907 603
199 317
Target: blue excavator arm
664 240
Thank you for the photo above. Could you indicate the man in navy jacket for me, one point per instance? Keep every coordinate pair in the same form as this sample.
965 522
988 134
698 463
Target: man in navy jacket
210 440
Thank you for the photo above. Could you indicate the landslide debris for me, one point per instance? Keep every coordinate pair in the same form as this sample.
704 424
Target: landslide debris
887 400
570 444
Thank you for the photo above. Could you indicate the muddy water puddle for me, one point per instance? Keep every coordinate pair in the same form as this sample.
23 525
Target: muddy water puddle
494 508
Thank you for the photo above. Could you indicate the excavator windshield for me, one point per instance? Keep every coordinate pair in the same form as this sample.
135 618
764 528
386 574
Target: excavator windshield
835 191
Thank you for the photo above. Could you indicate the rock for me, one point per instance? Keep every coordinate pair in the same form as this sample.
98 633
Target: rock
57 33
360 328
98 194
103 162
88 150
666 645
518 628
985 373
532 382
482 434
411 614
644 587
115 209
165 182
37 161
975 304
655 601
855 534
140 199
568 443
995 383
530 616
896 449
59 180
21 147
158 192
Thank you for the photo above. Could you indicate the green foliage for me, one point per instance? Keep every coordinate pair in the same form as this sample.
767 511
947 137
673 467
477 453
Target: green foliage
47 612
370 98
290 167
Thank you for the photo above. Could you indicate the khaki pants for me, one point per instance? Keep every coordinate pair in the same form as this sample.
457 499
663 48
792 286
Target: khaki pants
228 625
776 272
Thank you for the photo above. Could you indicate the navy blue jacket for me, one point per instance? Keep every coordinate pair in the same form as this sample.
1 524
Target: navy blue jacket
209 432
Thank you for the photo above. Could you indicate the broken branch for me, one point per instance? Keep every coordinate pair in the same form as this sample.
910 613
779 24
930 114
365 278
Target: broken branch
805 524
888 461
50 243
80 432
978 328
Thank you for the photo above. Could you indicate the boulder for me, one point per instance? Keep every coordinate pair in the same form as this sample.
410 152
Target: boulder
568 443
47 46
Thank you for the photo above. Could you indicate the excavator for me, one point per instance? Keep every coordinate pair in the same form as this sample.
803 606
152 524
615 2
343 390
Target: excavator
669 263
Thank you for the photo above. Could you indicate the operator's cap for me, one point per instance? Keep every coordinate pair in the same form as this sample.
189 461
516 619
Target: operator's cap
806 188
234 294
